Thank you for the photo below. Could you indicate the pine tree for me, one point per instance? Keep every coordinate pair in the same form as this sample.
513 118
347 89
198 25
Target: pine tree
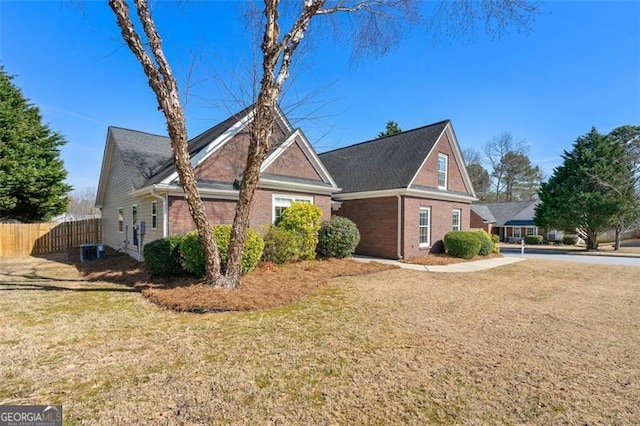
392 129
32 174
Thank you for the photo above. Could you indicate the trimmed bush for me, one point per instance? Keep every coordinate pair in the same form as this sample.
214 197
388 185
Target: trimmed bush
193 253
162 257
486 244
303 218
463 244
496 240
533 239
338 237
570 240
281 245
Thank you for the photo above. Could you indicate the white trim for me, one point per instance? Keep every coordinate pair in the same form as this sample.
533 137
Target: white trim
399 225
526 231
311 155
165 211
295 186
292 198
214 145
421 193
513 228
107 157
424 161
120 209
154 215
428 226
445 157
453 212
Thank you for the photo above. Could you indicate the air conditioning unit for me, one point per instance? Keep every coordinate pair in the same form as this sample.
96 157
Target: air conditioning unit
91 252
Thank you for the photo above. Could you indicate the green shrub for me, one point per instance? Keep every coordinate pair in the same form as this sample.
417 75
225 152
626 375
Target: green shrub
338 237
162 257
533 239
281 245
496 240
193 253
486 244
464 244
570 240
303 218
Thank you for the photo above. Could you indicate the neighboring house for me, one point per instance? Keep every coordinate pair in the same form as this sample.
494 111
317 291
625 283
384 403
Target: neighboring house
141 199
404 191
512 221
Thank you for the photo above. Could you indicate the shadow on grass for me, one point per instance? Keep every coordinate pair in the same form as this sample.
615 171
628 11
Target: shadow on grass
30 286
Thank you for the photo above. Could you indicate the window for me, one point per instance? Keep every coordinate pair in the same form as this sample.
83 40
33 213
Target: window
442 171
120 219
517 233
532 230
425 218
281 202
154 214
456 219
134 220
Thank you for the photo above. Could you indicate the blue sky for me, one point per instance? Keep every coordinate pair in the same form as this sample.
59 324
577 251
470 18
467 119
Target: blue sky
579 67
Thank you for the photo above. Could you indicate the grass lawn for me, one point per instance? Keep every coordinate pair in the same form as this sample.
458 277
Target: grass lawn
534 343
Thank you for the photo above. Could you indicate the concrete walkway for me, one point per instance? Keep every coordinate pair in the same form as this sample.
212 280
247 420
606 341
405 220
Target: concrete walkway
477 265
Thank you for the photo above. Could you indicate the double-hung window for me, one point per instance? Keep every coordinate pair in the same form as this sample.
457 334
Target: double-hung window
532 230
443 161
425 228
517 232
281 202
456 219
154 214
120 219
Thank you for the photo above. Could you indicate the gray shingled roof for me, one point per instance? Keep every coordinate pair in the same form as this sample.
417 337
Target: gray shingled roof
386 163
144 154
509 211
484 212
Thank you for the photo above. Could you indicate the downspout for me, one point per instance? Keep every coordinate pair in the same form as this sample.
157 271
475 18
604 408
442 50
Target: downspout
399 253
165 211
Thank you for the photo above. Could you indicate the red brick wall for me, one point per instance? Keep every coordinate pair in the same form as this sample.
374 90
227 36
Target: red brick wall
376 219
230 159
293 162
428 175
441 223
478 223
223 211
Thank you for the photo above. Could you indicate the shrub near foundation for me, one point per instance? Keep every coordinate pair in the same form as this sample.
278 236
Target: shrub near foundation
281 245
338 237
570 240
463 244
533 239
303 218
486 244
162 257
496 240
193 253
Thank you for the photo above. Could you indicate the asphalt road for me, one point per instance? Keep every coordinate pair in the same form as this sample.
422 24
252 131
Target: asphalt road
565 257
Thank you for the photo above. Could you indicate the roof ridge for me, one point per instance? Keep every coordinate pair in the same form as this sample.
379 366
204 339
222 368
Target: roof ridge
138 131
389 136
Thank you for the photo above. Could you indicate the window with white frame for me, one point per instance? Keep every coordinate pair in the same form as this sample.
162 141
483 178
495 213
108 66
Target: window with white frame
516 232
154 214
532 230
456 219
120 219
443 161
425 228
281 202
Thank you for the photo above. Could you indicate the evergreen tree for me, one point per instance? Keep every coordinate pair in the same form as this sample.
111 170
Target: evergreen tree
392 129
590 191
32 174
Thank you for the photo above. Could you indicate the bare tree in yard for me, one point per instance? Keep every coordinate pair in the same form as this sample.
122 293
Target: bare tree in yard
480 178
370 31
82 204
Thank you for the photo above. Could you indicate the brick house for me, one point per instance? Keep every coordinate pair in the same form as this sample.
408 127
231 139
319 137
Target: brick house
512 221
141 199
404 191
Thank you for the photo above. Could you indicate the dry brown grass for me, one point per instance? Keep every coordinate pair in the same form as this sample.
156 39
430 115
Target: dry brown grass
445 259
530 343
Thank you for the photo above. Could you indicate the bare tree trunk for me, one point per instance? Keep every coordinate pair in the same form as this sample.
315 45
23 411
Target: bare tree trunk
165 87
616 245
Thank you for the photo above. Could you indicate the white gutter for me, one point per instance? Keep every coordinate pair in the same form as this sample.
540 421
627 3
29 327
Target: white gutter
165 211
399 248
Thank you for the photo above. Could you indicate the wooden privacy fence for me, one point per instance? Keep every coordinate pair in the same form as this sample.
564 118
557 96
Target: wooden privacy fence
24 239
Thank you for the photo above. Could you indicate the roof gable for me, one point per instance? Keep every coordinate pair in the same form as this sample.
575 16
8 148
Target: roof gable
386 163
